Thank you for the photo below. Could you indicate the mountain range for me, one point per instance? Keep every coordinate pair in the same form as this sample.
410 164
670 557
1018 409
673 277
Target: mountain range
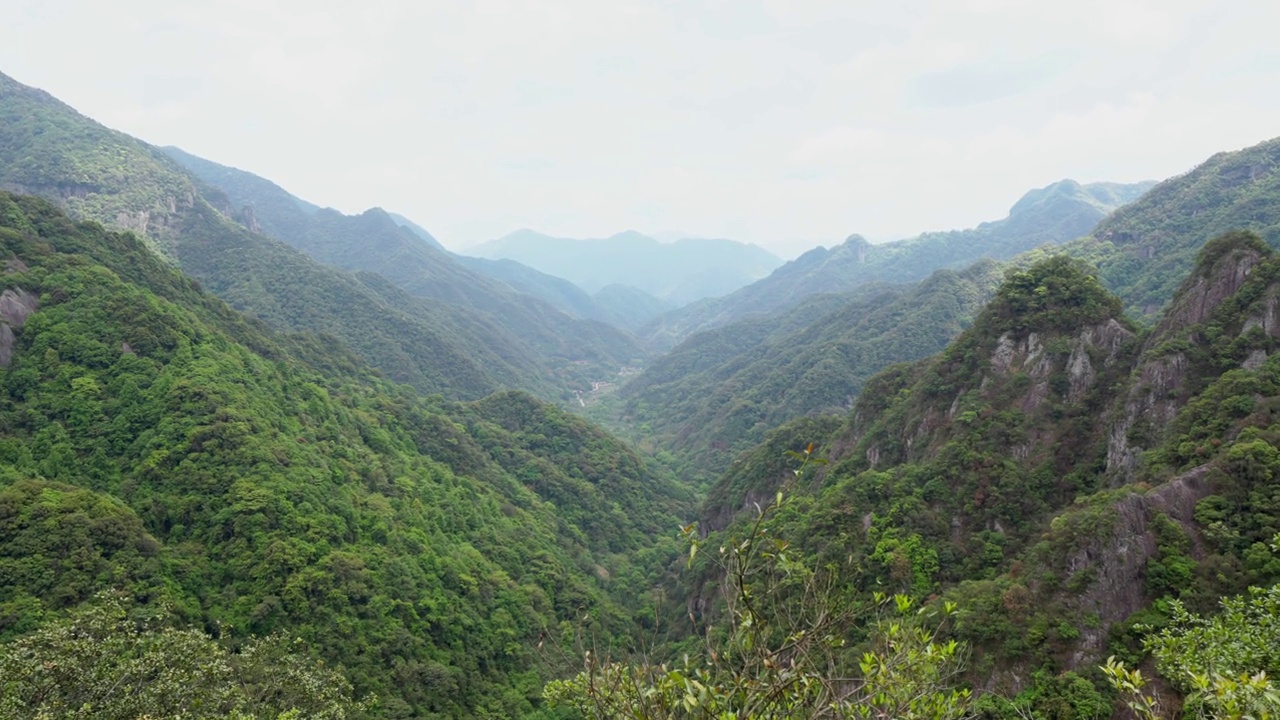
1054 214
246 415
675 273
410 325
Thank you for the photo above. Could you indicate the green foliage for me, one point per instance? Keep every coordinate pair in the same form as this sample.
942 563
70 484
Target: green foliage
409 323
60 544
193 457
1055 294
781 649
1068 696
719 392
1145 249
1171 571
102 663
1222 664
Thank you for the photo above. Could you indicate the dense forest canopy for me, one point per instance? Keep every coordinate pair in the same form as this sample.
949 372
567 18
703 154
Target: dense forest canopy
159 443
319 476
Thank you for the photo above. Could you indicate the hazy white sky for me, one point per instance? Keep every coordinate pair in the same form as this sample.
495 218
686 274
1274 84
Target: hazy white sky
788 123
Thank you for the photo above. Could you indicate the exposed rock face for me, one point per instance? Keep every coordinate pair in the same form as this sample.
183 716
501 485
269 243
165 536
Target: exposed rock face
250 220
1098 343
1158 390
1117 560
1267 319
1197 299
1154 398
15 306
1007 351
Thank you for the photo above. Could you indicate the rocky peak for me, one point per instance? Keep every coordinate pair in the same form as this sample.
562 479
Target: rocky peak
1158 388
856 246
1224 266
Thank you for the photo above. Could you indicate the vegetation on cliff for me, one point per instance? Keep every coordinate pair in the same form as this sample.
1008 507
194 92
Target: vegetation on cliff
159 443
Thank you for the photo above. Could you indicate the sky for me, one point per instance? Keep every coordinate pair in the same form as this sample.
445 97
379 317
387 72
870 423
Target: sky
787 123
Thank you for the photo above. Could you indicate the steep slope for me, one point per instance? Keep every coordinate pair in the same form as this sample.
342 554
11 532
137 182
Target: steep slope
676 273
627 306
1144 249
1054 214
717 393
620 306
376 242
98 174
1052 471
560 293
160 443
369 242
416 229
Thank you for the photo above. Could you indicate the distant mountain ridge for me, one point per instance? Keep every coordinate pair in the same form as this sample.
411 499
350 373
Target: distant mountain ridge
1144 249
505 340
720 391
676 273
407 254
1054 214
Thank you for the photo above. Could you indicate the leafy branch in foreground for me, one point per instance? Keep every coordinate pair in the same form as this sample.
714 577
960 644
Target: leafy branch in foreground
1222 664
782 649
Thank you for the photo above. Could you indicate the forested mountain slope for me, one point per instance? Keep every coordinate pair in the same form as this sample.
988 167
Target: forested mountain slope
47 148
718 393
1144 249
160 443
696 400
1062 211
375 242
676 273
1056 472
371 243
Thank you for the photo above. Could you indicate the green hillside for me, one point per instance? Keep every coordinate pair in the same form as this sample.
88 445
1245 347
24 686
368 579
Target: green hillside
1029 474
191 457
1051 215
717 394
312 450
98 174
1144 249
375 242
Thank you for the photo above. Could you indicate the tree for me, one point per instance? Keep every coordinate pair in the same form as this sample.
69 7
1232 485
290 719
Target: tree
103 664
782 650
1222 664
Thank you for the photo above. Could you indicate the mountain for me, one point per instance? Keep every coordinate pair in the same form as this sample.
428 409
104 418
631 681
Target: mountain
375 242
717 393
627 306
562 294
414 228
158 442
1143 249
46 148
1056 472
676 273
1054 214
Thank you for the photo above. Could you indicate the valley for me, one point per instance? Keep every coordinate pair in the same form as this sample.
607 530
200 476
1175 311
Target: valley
976 473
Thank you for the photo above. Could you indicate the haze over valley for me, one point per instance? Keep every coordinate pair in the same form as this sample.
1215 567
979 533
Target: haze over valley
349 371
